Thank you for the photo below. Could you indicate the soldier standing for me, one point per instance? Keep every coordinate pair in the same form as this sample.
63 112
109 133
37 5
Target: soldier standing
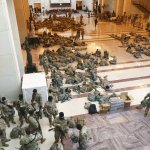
61 127
29 141
77 35
8 112
96 21
34 125
81 19
36 102
22 108
50 109
82 34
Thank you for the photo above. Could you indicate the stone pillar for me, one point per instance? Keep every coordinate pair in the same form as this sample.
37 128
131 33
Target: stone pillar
22 15
127 6
119 7
11 60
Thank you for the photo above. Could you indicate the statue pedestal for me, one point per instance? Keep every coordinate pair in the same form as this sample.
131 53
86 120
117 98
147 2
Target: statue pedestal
31 69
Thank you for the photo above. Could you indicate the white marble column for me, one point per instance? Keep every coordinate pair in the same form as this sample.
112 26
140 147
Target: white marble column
11 60
119 7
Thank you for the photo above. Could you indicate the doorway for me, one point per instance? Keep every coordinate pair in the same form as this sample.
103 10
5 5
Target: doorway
79 5
37 7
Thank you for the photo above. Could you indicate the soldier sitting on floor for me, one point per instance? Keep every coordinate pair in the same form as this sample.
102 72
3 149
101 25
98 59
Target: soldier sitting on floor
29 141
113 61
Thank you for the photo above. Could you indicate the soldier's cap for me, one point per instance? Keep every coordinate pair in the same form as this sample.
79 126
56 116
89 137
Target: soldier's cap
61 115
50 98
3 98
35 90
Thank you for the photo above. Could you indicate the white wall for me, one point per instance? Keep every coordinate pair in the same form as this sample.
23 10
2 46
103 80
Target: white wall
11 61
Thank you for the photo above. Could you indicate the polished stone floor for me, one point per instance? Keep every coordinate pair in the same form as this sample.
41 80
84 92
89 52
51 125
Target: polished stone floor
118 131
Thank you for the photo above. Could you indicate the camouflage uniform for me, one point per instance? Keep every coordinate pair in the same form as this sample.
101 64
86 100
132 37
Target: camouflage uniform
22 108
146 103
44 61
8 113
57 146
29 142
61 128
3 133
37 103
83 137
50 111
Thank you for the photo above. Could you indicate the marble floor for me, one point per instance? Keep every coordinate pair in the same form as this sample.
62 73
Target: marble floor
117 131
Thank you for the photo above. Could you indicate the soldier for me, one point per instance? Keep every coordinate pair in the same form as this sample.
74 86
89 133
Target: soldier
77 35
104 62
89 14
36 102
26 44
29 141
54 95
81 19
8 112
44 62
34 125
113 61
82 34
3 132
147 103
50 109
57 146
106 54
98 53
105 83
96 21
22 108
61 127
83 137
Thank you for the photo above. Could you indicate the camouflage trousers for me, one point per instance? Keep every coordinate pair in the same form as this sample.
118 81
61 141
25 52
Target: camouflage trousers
50 118
58 135
82 146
